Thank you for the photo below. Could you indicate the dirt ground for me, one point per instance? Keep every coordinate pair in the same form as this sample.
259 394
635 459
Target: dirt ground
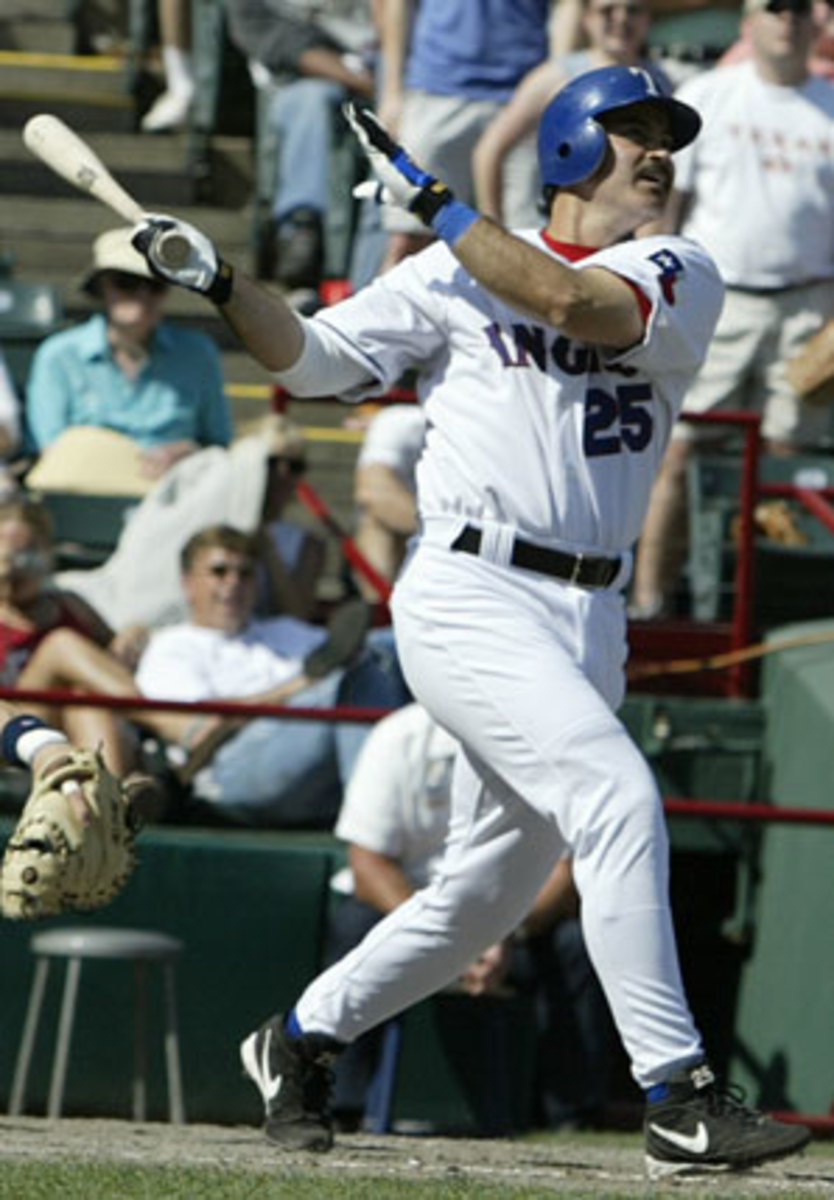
565 1165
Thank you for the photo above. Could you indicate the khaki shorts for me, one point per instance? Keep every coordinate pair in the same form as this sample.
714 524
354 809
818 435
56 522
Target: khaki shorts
440 133
745 366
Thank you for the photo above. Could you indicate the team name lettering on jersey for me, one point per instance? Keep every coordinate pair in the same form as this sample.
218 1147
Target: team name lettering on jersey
527 345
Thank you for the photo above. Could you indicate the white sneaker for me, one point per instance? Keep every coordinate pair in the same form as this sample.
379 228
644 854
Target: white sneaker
168 111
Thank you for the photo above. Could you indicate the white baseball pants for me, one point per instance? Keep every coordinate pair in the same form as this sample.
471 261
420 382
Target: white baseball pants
525 671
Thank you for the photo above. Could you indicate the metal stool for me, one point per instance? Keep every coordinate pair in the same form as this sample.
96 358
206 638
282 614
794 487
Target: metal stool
141 947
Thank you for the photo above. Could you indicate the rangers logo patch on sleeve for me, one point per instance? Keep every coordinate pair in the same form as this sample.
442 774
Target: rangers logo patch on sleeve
670 267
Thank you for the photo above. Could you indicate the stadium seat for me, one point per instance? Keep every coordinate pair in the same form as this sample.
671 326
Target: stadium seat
28 313
86 528
793 582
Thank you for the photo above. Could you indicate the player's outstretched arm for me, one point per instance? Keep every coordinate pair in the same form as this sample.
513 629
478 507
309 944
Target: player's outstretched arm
265 324
594 305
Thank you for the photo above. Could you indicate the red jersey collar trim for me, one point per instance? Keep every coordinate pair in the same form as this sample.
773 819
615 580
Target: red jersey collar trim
572 252
569 250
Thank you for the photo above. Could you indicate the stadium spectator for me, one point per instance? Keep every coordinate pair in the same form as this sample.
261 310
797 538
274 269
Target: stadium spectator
755 190
616 33
444 81
310 56
385 486
394 820
171 108
51 639
821 56
38 746
262 771
128 371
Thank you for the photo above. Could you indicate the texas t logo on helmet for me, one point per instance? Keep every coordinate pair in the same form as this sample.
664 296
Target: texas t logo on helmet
572 141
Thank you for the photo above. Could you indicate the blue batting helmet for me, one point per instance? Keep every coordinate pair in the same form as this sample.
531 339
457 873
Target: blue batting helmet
572 142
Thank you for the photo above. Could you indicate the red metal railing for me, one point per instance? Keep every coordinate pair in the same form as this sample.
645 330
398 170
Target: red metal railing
741 624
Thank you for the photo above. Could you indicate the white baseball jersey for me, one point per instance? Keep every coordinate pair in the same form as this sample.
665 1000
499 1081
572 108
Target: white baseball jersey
554 438
766 152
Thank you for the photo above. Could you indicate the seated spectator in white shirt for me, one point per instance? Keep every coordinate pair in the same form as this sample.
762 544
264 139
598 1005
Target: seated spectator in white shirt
263 770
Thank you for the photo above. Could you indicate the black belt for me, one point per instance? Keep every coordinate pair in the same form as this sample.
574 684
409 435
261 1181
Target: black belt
583 569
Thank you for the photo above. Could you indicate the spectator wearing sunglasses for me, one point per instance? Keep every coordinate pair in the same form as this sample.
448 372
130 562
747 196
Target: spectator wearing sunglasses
821 56
129 371
262 771
756 191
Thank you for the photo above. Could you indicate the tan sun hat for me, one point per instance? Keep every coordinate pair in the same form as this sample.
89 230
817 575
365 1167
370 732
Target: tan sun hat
113 251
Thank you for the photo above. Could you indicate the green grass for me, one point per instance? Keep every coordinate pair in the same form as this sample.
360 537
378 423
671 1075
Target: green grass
75 1181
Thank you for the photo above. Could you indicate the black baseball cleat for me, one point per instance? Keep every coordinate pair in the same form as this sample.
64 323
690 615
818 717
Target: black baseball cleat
697 1127
293 1076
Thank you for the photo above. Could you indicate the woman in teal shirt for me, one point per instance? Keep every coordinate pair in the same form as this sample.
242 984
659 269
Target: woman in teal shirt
128 370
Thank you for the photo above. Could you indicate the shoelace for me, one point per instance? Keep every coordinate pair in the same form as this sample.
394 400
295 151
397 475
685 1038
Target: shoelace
729 1101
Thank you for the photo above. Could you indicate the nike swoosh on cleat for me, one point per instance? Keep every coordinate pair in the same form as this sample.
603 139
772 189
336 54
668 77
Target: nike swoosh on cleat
270 1085
697 1143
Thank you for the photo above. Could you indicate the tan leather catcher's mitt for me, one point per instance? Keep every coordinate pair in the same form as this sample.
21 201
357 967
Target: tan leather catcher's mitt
53 862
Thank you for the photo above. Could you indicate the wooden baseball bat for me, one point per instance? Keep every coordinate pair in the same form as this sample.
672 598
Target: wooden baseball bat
68 155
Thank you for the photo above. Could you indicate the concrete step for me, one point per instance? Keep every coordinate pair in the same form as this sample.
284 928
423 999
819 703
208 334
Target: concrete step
140 174
82 115
155 169
73 75
43 10
56 237
37 35
88 91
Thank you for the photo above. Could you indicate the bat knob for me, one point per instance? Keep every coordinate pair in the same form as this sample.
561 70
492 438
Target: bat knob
173 250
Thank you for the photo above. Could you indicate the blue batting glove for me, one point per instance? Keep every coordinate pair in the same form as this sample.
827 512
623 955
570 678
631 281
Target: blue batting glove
402 182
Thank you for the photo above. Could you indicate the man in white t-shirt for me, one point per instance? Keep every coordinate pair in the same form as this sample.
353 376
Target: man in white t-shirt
757 191
265 771
394 818
385 488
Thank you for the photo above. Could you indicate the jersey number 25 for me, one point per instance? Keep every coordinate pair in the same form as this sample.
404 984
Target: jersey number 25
618 421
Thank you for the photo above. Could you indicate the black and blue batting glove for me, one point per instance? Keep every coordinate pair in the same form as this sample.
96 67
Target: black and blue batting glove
403 183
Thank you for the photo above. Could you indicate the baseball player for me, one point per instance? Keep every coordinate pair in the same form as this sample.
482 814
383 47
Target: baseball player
551 366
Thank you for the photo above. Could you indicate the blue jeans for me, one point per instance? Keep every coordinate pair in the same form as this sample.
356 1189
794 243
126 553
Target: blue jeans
292 773
302 113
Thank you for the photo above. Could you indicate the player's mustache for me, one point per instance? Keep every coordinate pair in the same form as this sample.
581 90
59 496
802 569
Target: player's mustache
659 171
